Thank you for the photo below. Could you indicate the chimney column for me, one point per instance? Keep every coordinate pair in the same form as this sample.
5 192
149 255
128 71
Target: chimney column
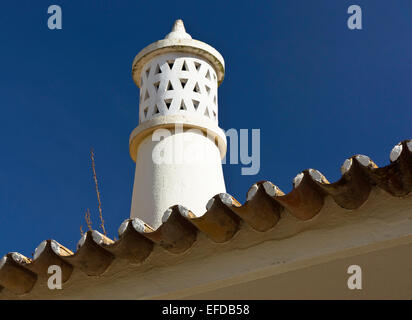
178 145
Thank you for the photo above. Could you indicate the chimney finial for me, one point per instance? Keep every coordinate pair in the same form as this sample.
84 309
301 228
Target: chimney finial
178 31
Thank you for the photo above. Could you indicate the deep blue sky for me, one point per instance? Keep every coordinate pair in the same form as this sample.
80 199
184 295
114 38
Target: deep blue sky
318 91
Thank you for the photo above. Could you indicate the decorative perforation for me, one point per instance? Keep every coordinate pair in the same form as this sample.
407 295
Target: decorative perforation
178 83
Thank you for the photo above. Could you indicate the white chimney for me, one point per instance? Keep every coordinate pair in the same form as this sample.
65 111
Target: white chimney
178 145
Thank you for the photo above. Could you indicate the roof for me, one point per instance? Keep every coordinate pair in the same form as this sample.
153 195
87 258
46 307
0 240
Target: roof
225 217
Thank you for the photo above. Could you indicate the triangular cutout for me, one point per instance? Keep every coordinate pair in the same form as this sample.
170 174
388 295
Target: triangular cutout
168 103
214 114
208 75
195 104
156 85
147 72
169 86
170 63
156 109
182 105
145 112
146 96
157 71
196 88
183 82
207 113
197 66
214 100
184 66
207 89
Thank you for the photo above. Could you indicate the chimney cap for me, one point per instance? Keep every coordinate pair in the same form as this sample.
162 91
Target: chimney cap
178 40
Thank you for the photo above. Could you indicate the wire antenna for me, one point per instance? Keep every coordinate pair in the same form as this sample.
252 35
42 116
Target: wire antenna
97 192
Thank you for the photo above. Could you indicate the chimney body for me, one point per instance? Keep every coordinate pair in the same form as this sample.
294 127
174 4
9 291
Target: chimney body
178 145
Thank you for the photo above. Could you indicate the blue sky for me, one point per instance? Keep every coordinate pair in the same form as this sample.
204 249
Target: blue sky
318 92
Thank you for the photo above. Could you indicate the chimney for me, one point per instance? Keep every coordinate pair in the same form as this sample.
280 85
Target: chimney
178 145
